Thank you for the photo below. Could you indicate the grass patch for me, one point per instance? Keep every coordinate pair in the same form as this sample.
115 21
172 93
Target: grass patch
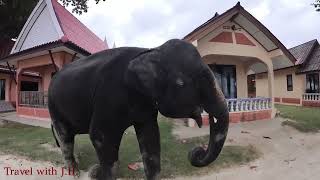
302 127
28 141
304 119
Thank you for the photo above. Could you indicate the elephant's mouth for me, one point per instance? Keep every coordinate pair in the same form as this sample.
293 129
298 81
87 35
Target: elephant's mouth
196 115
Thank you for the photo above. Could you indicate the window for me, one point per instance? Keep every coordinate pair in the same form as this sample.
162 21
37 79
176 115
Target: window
29 86
312 83
289 83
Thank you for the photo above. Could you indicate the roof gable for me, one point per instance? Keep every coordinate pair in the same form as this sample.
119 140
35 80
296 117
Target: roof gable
50 22
255 31
246 21
302 51
312 61
40 28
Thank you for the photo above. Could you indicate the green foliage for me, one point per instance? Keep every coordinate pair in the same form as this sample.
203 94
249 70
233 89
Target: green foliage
316 5
79 6
302 127
304 119
14 13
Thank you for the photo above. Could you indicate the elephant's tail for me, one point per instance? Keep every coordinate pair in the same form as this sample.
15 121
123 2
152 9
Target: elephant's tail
54 135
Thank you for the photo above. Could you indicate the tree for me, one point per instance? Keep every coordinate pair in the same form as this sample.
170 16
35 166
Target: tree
317 5
14 13
80 6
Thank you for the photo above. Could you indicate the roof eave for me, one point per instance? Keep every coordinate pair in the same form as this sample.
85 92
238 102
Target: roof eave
213 20
45 47
268 33
238 9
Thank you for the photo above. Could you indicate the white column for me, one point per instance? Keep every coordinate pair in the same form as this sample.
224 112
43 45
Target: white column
237 106
231 105
271 87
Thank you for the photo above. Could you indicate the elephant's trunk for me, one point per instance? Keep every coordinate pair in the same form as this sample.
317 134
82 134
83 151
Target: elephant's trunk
215 104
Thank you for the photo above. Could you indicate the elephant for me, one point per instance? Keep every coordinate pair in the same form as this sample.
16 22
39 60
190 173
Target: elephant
107 92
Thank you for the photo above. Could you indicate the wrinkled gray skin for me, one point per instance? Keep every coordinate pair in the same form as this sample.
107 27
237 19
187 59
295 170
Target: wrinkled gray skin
103 94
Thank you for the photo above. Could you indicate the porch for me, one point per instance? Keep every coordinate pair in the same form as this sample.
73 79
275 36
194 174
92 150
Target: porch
311 99
32 102
35 104
243 110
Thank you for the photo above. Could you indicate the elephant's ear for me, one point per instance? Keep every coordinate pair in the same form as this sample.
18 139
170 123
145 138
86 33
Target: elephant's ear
142 73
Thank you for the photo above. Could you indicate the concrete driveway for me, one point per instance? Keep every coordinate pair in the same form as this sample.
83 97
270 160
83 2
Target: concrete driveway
287 153
13 117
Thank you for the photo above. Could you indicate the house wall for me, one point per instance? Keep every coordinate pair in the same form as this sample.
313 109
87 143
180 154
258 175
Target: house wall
12 93
10 85
262 85
281 95
46 77
43 65
41 61
65 58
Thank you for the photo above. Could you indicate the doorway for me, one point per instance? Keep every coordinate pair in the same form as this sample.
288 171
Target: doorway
2 89
251 82
226 77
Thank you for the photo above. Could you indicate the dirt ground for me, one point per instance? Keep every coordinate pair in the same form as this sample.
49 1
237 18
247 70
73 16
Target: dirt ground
287 155
18 163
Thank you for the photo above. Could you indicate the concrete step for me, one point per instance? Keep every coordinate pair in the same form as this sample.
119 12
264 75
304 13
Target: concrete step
6 107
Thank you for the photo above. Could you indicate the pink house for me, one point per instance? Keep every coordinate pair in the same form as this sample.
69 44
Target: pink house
51 38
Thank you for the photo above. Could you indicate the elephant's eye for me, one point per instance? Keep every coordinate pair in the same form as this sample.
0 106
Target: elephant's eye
179 82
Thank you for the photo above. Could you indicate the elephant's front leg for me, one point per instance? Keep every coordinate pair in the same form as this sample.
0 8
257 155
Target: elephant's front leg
106 143
149 142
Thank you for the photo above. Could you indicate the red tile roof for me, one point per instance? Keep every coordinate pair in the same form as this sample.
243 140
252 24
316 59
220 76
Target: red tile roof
76 32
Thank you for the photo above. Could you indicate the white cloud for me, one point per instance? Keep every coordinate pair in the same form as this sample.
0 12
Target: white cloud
149 23
261 11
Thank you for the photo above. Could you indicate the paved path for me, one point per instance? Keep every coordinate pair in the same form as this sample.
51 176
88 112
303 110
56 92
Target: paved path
12 116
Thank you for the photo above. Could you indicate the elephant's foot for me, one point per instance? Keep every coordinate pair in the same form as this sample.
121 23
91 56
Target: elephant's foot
95 171
115 168
74 167
156 177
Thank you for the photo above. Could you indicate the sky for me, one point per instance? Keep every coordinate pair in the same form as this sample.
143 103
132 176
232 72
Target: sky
149 23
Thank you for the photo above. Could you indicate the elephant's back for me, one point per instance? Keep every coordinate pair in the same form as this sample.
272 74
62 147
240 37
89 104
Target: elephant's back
72 89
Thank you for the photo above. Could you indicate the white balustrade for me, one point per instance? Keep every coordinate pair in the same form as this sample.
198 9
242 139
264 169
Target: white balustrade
249 104
311 97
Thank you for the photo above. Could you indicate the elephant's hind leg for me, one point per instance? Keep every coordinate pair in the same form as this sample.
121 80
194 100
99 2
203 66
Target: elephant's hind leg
65 137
